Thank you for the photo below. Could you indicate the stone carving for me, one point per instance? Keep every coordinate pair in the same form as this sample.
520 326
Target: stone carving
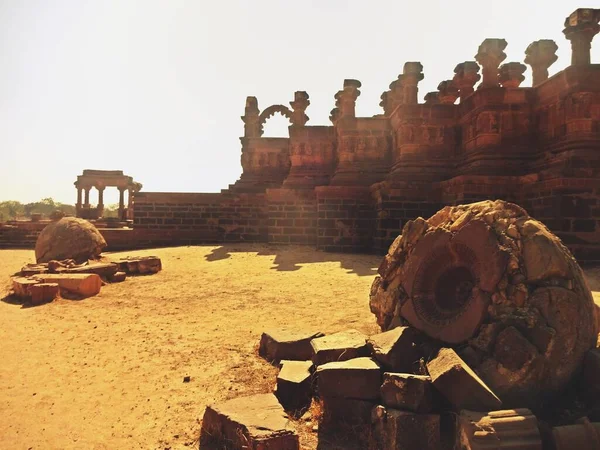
540 55
466 75
511 74
432 98
271 111
448 92
412 74
490 55
299 105
580 28
492 279
345 100
251 120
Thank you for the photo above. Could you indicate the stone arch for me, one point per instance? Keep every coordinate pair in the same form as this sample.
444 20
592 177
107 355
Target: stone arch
270 111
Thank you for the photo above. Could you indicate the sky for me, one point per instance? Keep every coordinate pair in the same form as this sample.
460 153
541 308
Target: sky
156 88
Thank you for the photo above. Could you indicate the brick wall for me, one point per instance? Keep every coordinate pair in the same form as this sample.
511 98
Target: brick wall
292 217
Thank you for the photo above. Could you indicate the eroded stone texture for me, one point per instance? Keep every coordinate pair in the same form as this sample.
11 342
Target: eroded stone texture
395 349
407 391
290 344
294 386
69 238
394 429
508 429
255 422
489 277
340 346
358 378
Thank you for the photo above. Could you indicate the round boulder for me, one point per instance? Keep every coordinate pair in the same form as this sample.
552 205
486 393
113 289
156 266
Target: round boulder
499 287
69 238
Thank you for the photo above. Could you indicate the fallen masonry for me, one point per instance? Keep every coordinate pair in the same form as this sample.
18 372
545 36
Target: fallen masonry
277 345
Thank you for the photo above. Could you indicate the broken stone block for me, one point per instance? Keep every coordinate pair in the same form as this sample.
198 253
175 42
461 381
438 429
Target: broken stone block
396 350
508 429
293 345
294 386
582 435
21 286
459 384
81 284
358 378
43 293
139 265
33 269
254 422
118 277
340 346
347 411
105 270
394 429
408 392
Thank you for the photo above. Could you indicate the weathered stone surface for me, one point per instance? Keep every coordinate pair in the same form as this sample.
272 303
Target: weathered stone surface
139 265
396 350
43 293
84 285
591 374
407 392
509 429
105 270
495 281
393 429
255 422
286 343
21 286
459 384
358 378
69 238
295 386
340 346
117 277
346 411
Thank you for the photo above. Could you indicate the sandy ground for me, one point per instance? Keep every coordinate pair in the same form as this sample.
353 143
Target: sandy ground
107 372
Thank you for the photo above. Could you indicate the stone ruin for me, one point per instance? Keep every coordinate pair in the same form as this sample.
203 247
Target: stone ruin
352 185
489 340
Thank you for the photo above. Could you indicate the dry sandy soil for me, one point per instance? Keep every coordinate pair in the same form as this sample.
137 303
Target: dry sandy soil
107 372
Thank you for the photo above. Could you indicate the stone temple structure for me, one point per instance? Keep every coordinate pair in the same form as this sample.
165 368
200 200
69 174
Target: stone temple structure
352 186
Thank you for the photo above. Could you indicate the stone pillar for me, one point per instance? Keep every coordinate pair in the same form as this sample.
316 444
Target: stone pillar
121 201
396 92
490 55
347 98
466 75
511 74
413 73
448 93
100 197
580 28
251 118
86 201
299 105
540 55
78 206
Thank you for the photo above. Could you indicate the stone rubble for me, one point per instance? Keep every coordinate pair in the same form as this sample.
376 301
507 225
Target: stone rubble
288 344
294 388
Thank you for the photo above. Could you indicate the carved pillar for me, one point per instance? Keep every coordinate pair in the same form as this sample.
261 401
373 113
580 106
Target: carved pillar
121 201
251 118
347 98
465 78
78 206
100 196
413 73
490 55
396 92
540 55
432 98
580 28
299 105
386 103
448 93
511 74
86 199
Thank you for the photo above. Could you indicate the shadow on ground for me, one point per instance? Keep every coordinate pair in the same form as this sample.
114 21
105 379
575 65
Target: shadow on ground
292 257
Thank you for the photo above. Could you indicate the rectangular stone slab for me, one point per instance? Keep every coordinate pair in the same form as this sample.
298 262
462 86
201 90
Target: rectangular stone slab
295 386
288 344
346 411
358 378
256 422
43 292
394 429
102 269
339 347
83 284
396 350
406 391
21 286
459 384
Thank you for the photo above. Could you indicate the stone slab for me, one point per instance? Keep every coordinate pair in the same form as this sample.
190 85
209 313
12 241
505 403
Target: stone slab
43 293
21 286
117 277
396 350
515 429
253 423
139 265
295 386
394 429
288 344
408 392
459 384
340 346
358 378
82 284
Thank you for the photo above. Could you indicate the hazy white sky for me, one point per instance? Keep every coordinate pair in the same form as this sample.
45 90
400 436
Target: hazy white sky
157 87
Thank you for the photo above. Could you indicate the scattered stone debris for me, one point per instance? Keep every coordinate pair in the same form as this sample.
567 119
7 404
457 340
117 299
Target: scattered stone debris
295 386
396 349
395 429
69 238
82 285
288 344
139 265
358 378
254 422
508 429
339 347
406 391
117 277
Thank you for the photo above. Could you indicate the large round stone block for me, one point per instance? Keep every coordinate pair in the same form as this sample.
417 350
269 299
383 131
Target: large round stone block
69 238
498 286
